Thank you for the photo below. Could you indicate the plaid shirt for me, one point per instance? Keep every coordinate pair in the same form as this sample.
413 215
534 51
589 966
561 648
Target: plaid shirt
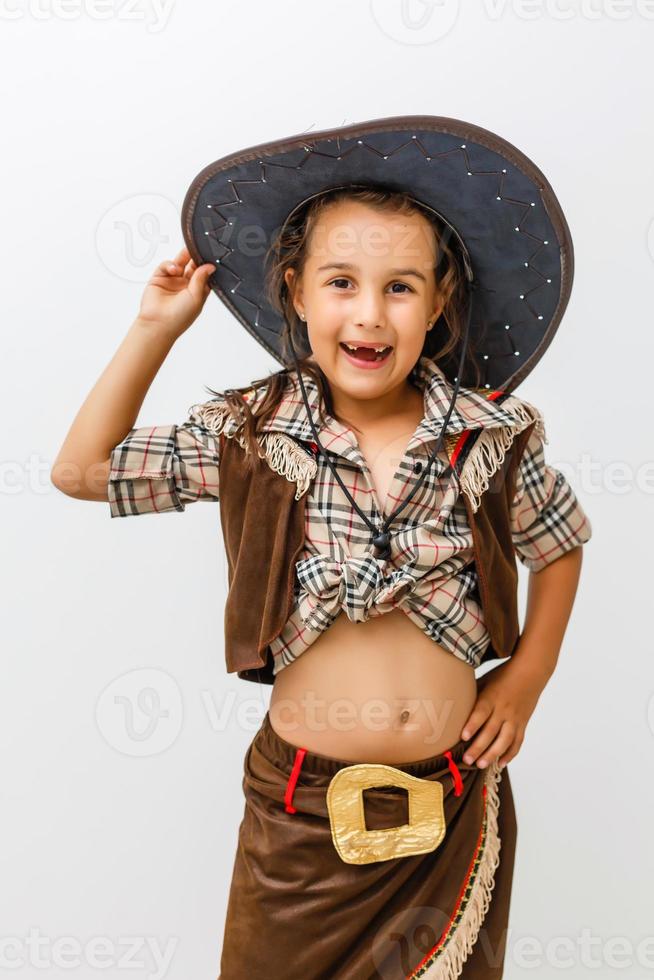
430 575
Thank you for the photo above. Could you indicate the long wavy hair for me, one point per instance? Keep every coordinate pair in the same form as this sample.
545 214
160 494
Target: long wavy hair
290 249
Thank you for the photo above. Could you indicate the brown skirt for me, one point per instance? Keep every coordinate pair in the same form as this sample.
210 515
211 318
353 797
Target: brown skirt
315 895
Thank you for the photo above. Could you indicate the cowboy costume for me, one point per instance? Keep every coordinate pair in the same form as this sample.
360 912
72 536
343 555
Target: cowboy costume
356 871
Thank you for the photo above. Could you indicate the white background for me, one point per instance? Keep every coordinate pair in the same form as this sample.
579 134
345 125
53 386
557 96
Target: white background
108 114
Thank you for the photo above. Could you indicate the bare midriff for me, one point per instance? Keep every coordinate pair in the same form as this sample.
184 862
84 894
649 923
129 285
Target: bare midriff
375 691
379 690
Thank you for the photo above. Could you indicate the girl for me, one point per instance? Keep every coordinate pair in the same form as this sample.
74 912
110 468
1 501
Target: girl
372 506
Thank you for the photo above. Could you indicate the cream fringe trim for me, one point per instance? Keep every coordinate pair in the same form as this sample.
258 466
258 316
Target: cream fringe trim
281 452
285 456
449 964
488 452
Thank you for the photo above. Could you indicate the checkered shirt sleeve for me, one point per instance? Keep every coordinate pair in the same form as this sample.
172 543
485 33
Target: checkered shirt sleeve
158 468
547 519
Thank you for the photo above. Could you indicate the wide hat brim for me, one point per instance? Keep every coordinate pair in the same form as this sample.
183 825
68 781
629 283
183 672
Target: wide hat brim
502 210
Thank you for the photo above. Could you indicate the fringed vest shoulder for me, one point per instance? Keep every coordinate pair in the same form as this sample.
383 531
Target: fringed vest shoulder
263 510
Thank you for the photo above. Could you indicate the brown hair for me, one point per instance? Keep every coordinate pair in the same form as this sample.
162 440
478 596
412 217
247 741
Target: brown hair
289 250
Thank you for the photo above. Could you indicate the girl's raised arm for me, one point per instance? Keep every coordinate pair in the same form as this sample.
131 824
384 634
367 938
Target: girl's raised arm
172 300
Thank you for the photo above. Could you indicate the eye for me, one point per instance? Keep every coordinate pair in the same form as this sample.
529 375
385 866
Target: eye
404 285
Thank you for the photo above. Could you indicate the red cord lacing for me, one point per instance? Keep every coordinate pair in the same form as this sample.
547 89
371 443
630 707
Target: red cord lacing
454 769
292 780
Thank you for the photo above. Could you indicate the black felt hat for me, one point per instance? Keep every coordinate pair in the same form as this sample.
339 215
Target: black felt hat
502 213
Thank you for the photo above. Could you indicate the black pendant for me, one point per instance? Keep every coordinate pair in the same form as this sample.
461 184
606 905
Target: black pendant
382 545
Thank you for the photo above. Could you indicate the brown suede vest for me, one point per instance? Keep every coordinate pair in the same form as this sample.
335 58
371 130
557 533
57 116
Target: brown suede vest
263 528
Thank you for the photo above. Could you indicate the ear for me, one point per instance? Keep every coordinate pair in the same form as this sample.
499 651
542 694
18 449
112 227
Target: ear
294 286
436 312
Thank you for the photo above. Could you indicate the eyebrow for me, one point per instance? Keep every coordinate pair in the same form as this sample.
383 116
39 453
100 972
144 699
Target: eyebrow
393 272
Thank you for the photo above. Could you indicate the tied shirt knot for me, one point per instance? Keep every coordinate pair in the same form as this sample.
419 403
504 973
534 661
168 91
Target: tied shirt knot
353 584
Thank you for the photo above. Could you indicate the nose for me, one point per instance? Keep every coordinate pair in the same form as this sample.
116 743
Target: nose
369 310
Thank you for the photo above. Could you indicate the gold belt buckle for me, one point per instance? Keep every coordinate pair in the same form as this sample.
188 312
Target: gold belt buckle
356 844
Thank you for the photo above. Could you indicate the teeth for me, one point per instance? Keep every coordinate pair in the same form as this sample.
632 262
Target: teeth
377 349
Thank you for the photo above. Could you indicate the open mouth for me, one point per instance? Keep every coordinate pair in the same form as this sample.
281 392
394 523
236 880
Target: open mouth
367 353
